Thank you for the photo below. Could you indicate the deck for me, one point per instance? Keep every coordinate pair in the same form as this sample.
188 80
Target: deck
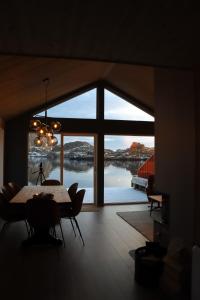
118 195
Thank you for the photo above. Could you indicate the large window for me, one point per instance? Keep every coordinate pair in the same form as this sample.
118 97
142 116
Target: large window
79 163
45 157
78 155
79 107
123 156
117 108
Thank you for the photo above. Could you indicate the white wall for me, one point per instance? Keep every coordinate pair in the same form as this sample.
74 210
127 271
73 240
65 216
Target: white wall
176 147
1 150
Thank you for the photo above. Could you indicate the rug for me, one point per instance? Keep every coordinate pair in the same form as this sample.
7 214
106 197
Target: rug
141 221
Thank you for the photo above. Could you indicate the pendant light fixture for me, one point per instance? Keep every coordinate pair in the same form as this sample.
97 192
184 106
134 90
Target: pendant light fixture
44 131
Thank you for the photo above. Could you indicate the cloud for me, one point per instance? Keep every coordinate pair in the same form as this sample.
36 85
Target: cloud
119 109
84 106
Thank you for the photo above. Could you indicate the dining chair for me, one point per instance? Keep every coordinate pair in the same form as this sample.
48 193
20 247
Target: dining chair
51 182
72 190
7 192
65 207
10 190
11 213
75 209
14 186
43 215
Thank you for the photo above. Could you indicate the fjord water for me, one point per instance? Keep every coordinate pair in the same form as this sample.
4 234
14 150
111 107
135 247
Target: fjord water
116 173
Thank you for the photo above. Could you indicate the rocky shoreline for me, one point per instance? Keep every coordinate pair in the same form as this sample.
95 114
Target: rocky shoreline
85 151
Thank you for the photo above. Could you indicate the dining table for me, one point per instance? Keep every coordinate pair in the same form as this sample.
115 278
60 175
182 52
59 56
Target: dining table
27 192
60 196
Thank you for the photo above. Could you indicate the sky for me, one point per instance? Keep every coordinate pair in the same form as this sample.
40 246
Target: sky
115 108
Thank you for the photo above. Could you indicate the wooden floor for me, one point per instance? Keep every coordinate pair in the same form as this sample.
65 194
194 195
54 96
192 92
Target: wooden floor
101 270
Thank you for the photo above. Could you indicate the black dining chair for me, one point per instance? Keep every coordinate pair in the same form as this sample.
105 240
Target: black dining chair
11 213
14 187
72 190
43 215
7 192
66 207
75 209
51 182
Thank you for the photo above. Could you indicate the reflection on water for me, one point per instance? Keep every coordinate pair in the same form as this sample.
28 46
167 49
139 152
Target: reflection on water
77 165
116 173
131 166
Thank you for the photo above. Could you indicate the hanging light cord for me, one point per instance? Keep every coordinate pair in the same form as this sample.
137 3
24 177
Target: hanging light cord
46 82
45 133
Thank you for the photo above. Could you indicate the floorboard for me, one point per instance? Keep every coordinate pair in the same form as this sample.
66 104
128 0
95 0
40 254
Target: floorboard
102 269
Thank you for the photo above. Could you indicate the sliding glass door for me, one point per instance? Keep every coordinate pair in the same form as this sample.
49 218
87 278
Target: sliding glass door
78 163
124 156
43 162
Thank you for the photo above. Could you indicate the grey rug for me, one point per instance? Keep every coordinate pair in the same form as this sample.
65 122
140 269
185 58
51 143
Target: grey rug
141 221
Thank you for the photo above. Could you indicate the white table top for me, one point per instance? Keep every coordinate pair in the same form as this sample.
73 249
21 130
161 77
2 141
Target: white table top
59 191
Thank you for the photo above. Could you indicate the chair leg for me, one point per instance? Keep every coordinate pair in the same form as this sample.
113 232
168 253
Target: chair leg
4 226
79 230
54 231
31 230
73 227
151 208
62 234
27 228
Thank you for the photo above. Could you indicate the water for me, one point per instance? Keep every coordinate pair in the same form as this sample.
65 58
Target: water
116 173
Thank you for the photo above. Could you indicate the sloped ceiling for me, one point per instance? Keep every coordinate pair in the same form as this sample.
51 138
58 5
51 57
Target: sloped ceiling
112 40
22 88
156 33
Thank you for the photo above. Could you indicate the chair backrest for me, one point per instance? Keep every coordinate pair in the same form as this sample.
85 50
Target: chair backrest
51 182
3 201
42 211
77 202
3 206
72 190
14 186
10 190
7 192
150 187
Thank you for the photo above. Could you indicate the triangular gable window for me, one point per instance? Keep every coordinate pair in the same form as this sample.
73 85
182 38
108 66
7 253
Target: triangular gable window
79 107
117 108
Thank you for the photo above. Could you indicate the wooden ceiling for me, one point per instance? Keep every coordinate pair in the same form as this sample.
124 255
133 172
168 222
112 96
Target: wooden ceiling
22 88
78 42
158 33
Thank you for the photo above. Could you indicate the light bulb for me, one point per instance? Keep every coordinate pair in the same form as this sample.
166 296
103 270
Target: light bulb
53 141
49 134
38 141
55 125
35 124
42 130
